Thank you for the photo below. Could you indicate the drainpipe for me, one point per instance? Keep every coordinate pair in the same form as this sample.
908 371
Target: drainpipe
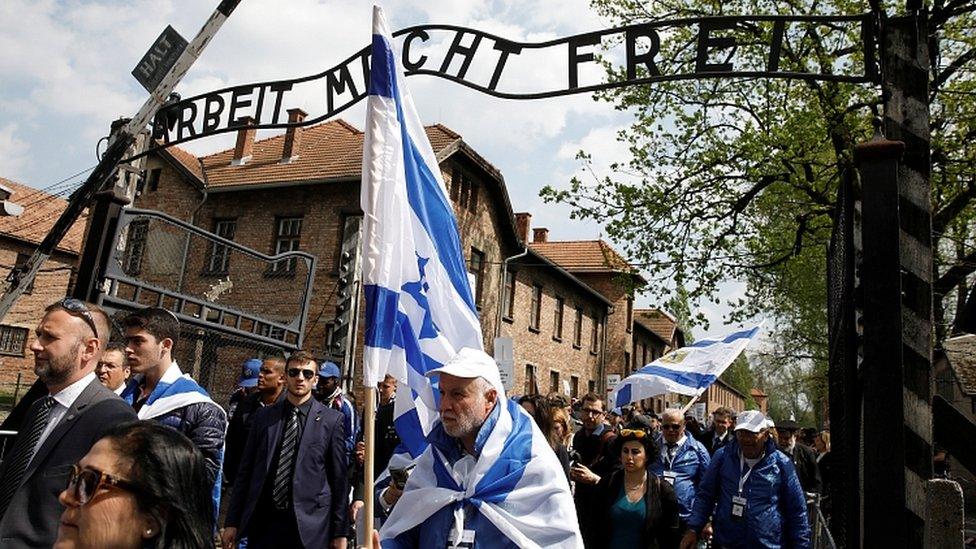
501 290
601 383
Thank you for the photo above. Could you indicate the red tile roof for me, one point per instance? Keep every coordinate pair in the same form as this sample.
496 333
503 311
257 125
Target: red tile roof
658 322
961 352
41 210
186 159
583 255
328 151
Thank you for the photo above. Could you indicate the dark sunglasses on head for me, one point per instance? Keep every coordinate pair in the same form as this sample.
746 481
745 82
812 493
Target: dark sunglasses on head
671 426
295 372
83 484
77 307
636 433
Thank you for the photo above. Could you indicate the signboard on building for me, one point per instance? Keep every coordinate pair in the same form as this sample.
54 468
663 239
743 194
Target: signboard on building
699 411
505 357
612 381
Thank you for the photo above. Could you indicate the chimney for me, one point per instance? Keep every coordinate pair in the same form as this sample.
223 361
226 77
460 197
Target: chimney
293 136
540 235
523 220
245 141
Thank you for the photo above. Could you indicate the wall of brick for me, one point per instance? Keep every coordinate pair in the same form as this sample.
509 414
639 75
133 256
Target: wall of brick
50 285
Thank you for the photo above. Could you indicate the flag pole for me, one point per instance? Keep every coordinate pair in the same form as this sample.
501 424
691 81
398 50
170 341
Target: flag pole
369 425
691 402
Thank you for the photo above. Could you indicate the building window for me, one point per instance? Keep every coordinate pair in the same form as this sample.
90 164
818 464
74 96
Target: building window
456 185
476 266
943 385
557 320
135 247
627 361
20 266
219 260
508 296
578 328
287 232
152 179
531 385
536 311
595 335
553 381
574 386
591 386
630 314
12 340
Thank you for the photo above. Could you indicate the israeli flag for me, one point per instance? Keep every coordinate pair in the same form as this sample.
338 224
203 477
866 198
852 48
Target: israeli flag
419 307
686 371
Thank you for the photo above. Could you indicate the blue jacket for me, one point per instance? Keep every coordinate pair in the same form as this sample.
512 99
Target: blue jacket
434 531
776 511
689 465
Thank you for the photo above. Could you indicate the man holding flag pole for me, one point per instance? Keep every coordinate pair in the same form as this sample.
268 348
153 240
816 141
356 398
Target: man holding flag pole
484 475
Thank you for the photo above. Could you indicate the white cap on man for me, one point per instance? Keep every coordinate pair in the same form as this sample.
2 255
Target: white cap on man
470 363
752 421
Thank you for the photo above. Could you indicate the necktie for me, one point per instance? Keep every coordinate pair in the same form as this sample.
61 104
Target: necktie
286 462
22 453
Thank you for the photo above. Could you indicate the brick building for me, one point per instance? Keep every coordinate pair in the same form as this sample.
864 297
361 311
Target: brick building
19 236
295 191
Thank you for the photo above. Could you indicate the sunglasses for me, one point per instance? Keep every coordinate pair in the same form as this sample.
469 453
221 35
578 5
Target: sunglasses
77 307
295 372
636 433
671 426
83 484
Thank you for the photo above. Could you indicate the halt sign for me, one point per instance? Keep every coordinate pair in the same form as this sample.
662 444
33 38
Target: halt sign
160 58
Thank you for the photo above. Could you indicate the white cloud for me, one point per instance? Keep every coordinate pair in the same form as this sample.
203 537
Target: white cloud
13 152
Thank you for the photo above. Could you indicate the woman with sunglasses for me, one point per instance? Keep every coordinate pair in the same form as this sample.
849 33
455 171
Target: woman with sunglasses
639 509
142 485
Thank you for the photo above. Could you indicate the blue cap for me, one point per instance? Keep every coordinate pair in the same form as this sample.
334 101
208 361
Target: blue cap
249 373
329 369
617 412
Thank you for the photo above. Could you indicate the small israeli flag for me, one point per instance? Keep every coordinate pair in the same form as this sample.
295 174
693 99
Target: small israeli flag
686 371
419 307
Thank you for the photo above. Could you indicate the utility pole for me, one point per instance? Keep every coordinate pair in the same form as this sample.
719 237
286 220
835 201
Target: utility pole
119 144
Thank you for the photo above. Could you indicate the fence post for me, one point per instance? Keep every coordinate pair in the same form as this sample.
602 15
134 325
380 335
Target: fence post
99 242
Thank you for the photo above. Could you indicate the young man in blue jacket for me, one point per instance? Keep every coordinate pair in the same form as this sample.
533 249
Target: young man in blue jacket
751 494
683 462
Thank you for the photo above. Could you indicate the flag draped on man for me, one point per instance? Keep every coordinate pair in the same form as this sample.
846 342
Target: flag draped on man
686 371
419 307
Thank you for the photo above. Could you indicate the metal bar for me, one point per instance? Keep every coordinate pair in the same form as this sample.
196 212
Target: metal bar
116 150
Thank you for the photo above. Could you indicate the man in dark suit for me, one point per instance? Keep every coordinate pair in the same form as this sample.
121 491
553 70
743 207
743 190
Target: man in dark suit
720 432
60 427
803 457
291 486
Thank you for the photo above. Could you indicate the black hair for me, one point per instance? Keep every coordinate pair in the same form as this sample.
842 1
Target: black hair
115 346
647 441
160 323
171 476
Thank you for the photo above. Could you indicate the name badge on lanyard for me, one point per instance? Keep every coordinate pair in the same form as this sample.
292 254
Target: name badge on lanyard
738 507
739 502
669 476
466 541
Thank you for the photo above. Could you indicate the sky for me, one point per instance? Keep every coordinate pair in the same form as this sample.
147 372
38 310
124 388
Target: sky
65 75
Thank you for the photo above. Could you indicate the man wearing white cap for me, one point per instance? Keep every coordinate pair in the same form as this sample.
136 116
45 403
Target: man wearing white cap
754 493
488 478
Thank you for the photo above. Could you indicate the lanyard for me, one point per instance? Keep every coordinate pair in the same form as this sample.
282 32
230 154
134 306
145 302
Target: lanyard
744 477
670 462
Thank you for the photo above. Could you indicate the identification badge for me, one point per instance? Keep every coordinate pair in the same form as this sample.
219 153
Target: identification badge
669 476
466 541
738 507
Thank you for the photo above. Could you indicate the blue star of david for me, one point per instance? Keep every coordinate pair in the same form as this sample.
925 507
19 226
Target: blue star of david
418 290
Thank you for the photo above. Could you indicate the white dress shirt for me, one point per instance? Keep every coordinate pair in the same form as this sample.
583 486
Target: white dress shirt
63 400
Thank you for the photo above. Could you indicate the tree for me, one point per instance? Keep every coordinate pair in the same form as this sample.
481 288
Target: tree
737 179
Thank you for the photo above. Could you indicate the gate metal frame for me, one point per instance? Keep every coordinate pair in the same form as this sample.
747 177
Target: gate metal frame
114 276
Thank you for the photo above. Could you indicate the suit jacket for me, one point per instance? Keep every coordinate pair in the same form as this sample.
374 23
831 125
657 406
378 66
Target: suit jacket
707 438
32 517
807 469
319 484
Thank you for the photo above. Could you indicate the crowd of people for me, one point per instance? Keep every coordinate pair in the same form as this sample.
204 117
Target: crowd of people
127 450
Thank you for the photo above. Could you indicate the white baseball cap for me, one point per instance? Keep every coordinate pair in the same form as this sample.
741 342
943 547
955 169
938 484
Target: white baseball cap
470 363
751 420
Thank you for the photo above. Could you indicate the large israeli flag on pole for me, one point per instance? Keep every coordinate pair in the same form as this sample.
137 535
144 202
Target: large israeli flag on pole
419 307
686 371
